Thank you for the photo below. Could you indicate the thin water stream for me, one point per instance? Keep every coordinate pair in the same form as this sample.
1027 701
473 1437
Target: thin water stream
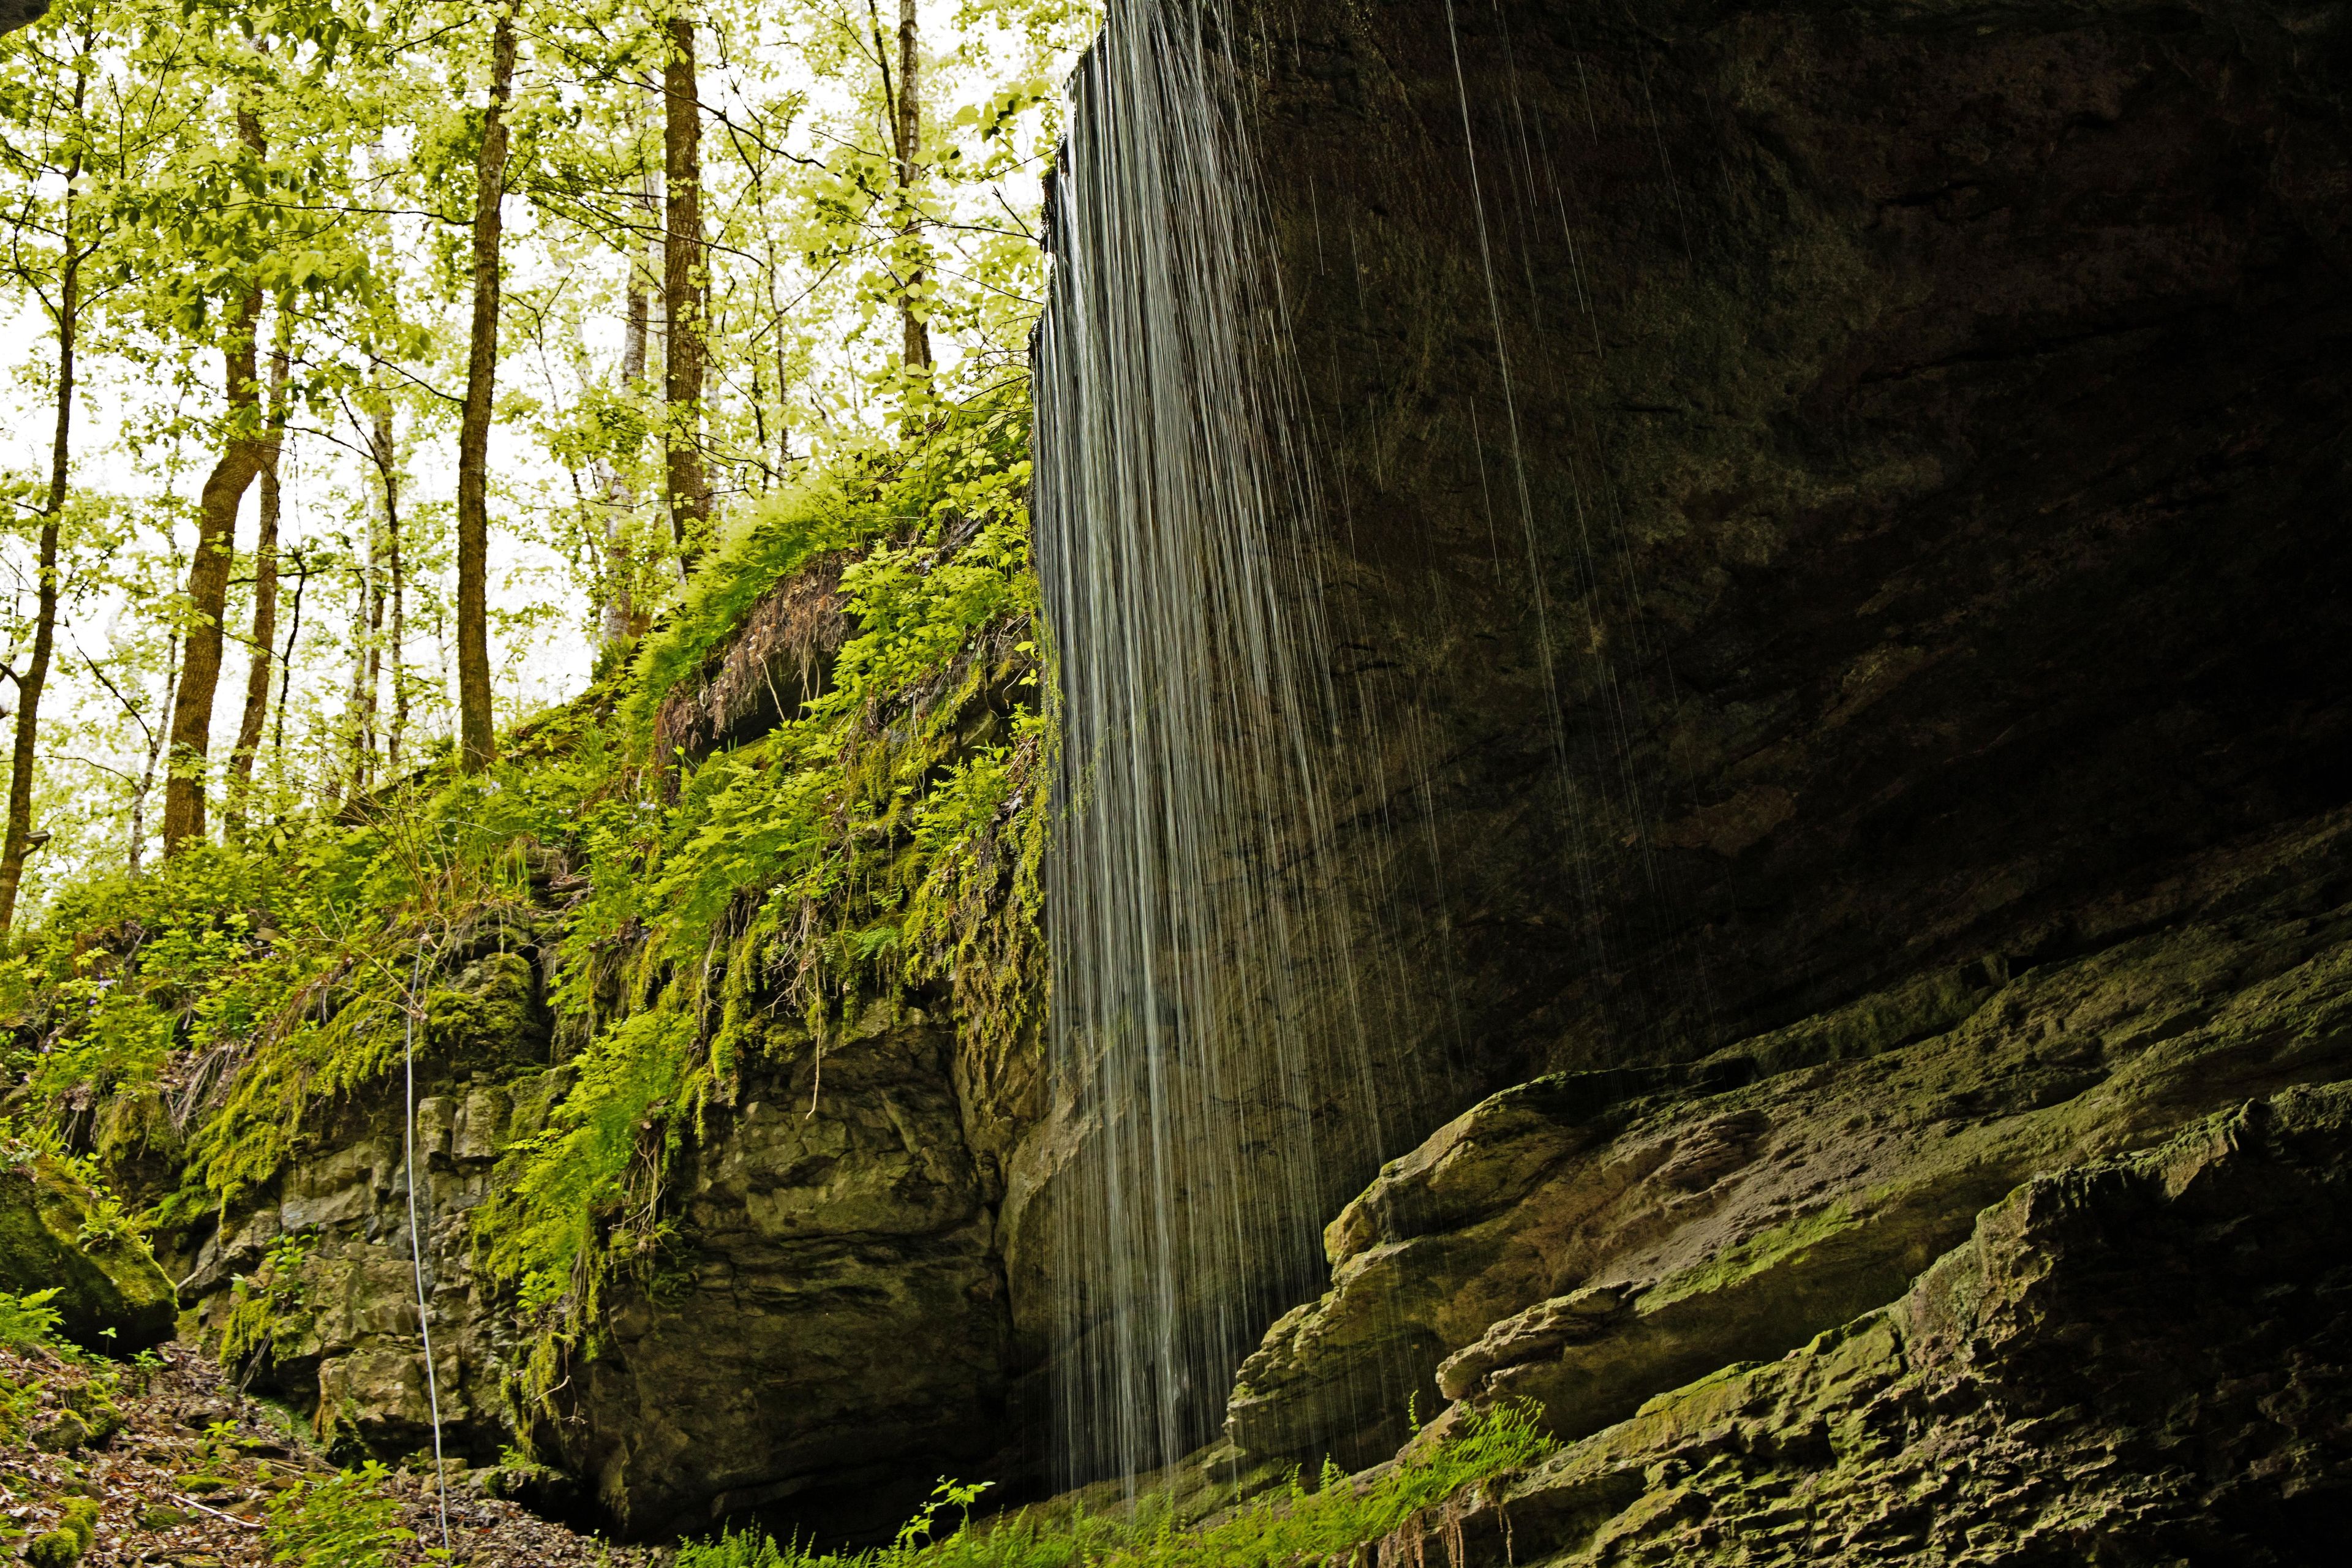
1194 992
1250 895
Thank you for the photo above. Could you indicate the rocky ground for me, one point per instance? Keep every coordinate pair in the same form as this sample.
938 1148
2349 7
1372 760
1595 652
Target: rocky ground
182 1470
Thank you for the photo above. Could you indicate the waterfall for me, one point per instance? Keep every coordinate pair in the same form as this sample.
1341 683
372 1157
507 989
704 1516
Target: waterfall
1206 1033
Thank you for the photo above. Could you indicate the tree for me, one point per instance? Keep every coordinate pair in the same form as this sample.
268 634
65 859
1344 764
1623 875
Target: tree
67 313
245 449
265 595
477 743
683 287
908 127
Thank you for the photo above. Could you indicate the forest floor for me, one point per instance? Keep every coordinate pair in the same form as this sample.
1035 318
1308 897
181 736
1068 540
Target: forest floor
186 1478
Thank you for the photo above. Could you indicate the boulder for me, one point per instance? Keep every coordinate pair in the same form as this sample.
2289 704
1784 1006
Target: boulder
111 1294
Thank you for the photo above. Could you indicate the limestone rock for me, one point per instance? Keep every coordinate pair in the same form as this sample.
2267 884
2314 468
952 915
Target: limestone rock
834 1332
1556 1245
2143 1359
111 1294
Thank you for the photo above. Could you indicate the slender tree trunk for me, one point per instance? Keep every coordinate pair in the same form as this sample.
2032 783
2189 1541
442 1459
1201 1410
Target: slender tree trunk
477 746
784 378
244 450
19 838
367 610
388 465
917 348
154 751
285 667
620 622
682 286
265 600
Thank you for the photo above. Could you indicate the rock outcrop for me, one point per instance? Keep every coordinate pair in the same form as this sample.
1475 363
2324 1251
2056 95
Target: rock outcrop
1586 1241
2139 1359
830 1334
110 1295
1812 499
826 1334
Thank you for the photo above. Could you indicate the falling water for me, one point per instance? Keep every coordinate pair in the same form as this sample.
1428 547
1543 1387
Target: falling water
1203 1027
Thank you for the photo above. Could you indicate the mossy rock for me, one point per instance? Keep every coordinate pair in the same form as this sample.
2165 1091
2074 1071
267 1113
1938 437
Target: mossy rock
112 1297
57 1548
488 1017
63 1547
62 1435
97 1412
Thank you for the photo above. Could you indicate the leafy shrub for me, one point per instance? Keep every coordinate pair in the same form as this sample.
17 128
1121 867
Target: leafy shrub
29 1322
343 1521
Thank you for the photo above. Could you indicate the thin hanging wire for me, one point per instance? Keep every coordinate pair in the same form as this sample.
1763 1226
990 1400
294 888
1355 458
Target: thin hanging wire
415 1237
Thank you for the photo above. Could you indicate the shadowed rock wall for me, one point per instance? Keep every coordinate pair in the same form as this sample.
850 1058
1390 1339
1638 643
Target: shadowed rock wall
1811 497
1814 491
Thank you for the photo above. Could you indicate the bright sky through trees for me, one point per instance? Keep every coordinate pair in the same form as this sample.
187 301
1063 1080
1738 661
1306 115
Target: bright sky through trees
320 159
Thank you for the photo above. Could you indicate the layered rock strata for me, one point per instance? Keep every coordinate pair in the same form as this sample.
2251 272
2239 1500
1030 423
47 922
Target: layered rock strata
2146 1359
1585 1240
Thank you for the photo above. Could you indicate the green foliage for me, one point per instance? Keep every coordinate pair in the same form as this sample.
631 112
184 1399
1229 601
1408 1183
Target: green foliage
260 1304
1297 1525
883 841
886 838
29 1322
342 1522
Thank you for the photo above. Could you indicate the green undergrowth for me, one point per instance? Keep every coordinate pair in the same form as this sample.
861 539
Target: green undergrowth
1295 1525
681 917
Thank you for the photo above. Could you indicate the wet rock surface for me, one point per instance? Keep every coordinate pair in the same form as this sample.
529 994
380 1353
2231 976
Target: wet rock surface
1585 1242
1812 495
2139 1359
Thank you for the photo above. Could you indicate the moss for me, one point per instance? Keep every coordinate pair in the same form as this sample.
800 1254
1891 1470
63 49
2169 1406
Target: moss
64 1546
111 1297
490 1017
1926 1004
1761 1254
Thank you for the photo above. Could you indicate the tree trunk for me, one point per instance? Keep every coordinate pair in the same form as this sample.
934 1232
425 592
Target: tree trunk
621 622
682 285
286 666
917 348
20 836
154 750
244 450
265 602
477 746
367 608
388 464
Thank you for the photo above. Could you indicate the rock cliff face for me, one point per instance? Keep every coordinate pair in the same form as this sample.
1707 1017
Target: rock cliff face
832 1333
1835 541
1821 510
1590 1239
2141 1360
1815 494
825 1336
